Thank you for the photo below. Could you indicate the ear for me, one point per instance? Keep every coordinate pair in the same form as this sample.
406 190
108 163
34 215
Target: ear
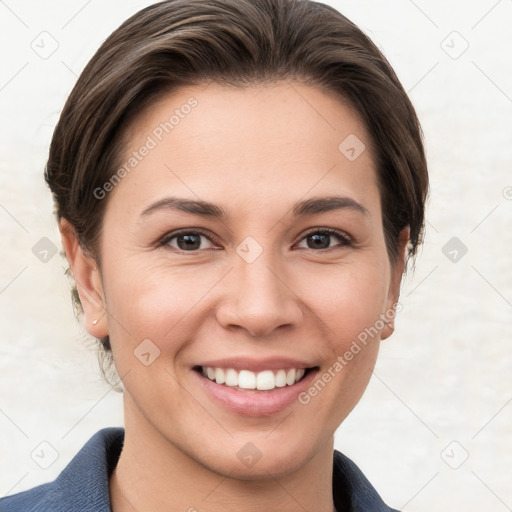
88 281
397 270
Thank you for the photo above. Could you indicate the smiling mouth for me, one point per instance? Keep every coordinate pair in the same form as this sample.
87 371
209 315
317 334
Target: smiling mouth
247 380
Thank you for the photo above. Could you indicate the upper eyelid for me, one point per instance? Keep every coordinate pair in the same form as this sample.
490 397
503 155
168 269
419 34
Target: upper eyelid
199 231
331 231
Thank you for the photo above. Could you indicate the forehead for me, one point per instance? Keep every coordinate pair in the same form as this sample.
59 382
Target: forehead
260 144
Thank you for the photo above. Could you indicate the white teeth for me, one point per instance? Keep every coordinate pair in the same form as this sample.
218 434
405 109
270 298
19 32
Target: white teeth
290 377
231 377
281 379
246 379
265 380
220 376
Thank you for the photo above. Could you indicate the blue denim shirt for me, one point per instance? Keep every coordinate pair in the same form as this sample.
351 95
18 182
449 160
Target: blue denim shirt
83 484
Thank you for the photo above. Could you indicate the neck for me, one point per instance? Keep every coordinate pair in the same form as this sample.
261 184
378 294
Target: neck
154 474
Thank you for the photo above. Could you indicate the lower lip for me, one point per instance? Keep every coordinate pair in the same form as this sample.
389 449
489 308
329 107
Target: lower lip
253 402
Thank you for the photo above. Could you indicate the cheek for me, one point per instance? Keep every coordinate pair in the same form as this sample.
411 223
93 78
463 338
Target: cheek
151 319
348 304
154 301
347 300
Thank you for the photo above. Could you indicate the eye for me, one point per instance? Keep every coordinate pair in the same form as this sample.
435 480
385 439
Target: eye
320 238
187 241
192 240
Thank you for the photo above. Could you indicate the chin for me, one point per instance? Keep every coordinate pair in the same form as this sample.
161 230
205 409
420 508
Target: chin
255 457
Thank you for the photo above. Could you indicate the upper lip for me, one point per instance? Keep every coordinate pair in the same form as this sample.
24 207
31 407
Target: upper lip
256 365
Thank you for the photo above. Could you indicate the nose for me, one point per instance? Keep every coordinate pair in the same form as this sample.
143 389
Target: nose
259 299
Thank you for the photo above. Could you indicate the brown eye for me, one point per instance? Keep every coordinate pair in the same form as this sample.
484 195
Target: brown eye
321 239
187 241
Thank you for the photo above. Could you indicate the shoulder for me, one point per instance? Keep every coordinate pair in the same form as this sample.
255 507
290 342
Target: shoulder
352 491
82 486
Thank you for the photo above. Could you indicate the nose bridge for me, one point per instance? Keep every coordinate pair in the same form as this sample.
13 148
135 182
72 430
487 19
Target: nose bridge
260 300
258 280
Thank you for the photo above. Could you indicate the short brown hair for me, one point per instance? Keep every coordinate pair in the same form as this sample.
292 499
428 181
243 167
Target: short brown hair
238 42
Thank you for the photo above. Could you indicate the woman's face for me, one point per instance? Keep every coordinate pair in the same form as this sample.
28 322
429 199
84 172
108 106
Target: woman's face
263 289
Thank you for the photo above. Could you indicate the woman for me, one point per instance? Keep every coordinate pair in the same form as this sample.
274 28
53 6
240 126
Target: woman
239 185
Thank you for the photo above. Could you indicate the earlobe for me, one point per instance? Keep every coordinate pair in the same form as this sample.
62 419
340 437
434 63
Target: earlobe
397 271
88 281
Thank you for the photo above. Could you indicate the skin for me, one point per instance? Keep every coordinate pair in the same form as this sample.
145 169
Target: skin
254 152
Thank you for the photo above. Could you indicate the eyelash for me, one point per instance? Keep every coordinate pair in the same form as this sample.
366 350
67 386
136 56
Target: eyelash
346 240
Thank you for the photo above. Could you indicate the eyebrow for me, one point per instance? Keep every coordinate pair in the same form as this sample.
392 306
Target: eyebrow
306 207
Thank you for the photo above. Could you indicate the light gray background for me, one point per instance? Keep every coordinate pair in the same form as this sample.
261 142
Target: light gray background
442 388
